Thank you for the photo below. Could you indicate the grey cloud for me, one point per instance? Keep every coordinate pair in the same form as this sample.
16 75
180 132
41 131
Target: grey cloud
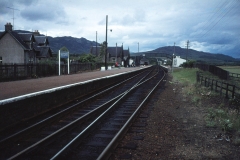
127 20
3 7
45 12
26 2
138 16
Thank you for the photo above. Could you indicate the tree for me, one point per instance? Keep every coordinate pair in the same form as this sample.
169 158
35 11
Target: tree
87 58
188 64
103 49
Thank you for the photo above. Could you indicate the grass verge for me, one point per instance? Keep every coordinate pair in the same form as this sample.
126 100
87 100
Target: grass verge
223 115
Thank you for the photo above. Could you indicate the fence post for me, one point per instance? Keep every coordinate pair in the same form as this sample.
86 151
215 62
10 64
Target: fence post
212 85
227 75
233 91
216 85
227 91
221 88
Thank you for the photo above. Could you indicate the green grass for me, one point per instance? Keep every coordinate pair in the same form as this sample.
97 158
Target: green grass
223 117
185 75
232 69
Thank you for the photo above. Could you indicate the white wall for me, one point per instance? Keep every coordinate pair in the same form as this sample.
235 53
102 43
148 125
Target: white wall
178 61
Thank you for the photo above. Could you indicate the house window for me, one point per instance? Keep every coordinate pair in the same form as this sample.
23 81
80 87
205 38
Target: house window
0 60
113 59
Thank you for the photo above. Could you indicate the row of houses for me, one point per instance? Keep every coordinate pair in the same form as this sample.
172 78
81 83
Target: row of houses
18 47
114 55
32 47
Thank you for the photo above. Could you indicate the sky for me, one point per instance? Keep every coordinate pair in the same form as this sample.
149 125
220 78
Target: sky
140 25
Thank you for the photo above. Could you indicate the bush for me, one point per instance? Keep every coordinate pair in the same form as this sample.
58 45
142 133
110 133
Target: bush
188 64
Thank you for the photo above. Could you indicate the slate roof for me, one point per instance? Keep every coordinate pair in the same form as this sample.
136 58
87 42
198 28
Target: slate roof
112 51
26 37
43 52
126 54
1 34
93 50
16 36
41 40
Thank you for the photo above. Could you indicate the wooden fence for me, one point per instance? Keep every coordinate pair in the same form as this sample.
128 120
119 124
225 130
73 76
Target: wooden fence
221 73
10 72
224 88
234 76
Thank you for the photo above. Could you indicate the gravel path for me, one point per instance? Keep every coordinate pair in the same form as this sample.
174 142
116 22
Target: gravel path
176 130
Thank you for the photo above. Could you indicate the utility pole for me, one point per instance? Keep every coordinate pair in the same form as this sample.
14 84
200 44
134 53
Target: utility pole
173 57
174 48
13 14
187 49
106 43
96 43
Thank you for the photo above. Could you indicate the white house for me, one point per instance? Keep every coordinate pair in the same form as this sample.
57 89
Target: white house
177 61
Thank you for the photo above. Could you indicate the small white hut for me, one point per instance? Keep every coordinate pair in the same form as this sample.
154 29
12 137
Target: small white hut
177 61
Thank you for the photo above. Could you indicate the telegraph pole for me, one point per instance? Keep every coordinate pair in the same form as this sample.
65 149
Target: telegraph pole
96 43
106 43
174 48
187 49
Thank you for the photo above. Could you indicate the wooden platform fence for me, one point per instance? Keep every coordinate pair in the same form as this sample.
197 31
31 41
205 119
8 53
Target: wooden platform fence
224 88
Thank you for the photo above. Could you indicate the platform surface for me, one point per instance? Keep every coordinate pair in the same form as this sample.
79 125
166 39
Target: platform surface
22 87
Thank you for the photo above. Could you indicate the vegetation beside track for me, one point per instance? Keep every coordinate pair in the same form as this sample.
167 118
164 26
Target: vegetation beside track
220 112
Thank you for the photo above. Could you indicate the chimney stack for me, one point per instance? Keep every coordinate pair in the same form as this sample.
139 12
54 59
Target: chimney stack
8 27
36 33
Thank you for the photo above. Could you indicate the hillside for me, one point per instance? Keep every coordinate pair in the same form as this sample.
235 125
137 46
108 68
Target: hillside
74 45
82 45
192 54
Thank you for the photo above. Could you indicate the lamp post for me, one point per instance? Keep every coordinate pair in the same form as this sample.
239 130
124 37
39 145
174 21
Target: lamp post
106 42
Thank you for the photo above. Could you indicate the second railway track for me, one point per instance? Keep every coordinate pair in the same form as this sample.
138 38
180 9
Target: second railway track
87 129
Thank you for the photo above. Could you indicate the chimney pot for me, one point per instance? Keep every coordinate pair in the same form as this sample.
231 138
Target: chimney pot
8 27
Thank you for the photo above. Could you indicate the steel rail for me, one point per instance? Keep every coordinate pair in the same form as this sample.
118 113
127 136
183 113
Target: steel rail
94 123
112 145
89 114
62 111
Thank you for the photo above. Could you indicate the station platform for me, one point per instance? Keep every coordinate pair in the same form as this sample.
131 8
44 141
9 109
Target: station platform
22 88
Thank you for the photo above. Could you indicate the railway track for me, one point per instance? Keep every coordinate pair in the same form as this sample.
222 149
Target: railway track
87 128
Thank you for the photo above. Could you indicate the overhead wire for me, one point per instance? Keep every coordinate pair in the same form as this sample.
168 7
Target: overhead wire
218 19
208 22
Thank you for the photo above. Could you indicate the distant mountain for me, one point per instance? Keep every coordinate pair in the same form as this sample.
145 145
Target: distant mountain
193 54
82 45
74 45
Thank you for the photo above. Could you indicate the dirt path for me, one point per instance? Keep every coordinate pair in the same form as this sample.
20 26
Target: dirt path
176 129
